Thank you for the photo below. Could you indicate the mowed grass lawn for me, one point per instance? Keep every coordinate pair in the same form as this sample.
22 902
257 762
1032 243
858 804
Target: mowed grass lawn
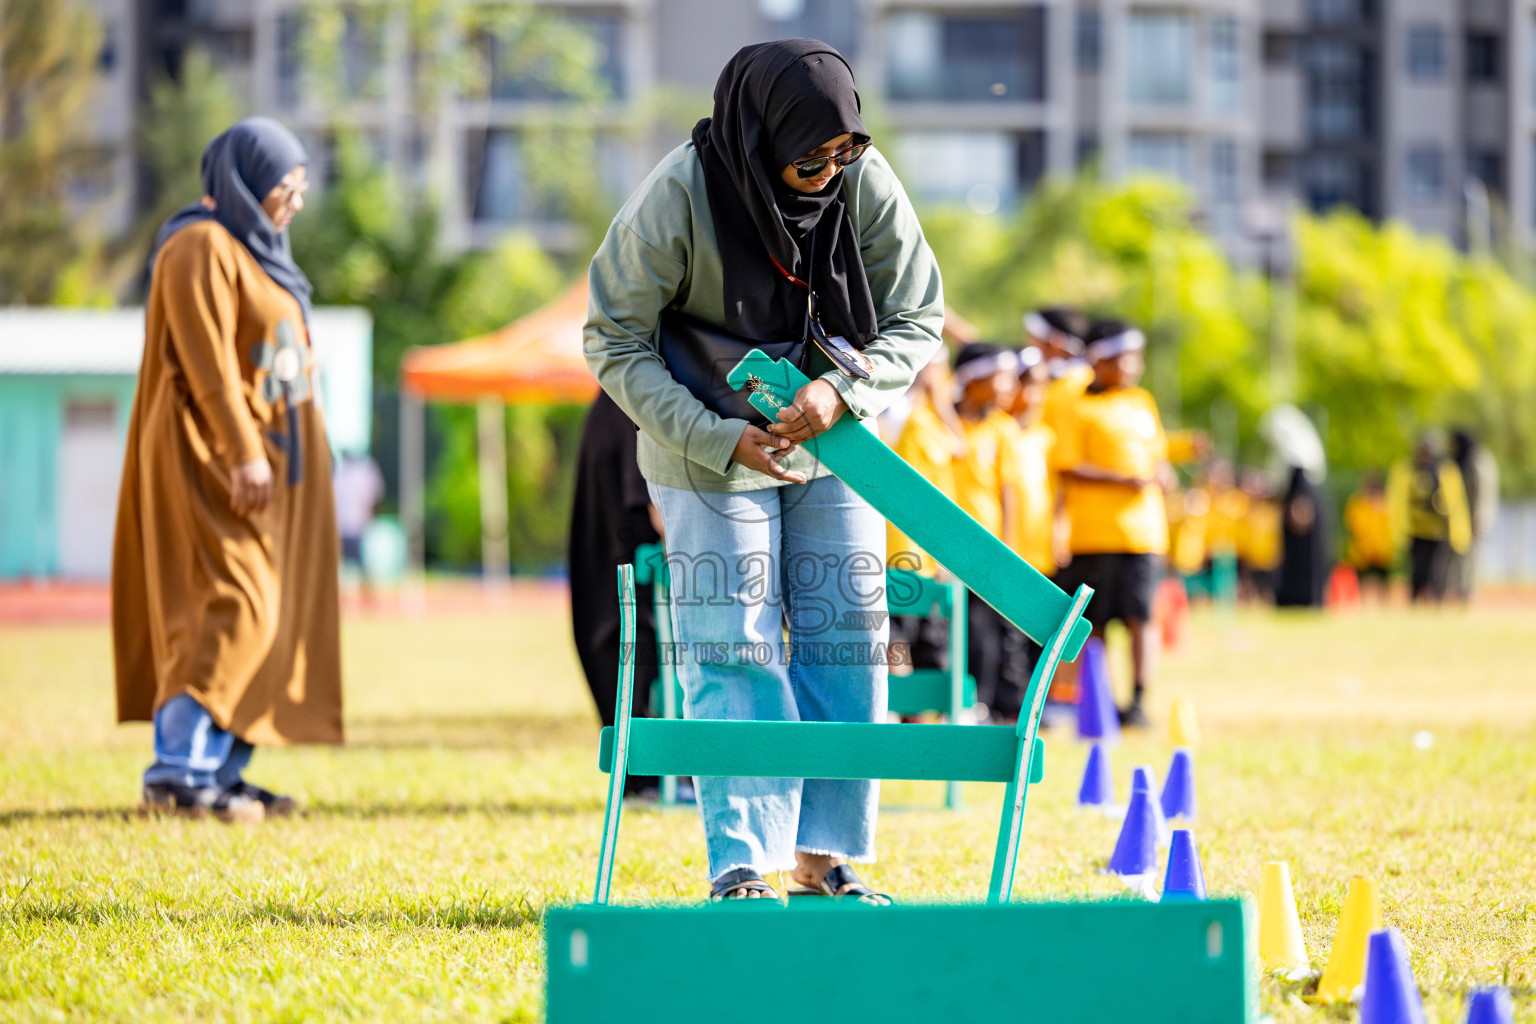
468 801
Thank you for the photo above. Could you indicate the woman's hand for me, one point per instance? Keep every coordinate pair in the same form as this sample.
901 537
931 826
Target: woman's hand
751 453
815 408
250 486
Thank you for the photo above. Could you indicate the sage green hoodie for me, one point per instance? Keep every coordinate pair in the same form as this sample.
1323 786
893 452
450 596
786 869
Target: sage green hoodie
661 251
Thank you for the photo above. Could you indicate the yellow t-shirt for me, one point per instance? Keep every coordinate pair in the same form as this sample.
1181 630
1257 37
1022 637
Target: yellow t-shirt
929 447
1228 507
1369 522
989 466
1258 535
1035 497
1119 431
1189 515
1062 392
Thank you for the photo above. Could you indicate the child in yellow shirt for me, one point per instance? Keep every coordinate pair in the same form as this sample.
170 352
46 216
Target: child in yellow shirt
1368 521
930 445
1034 444
986 483
1057 332
1112 455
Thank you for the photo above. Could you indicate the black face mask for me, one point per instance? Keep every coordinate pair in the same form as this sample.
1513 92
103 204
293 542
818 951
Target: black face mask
775 103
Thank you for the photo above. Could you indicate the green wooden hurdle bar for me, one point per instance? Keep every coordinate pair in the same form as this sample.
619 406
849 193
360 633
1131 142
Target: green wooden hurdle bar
1073 962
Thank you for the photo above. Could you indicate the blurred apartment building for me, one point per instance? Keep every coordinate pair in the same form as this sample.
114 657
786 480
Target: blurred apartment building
1395 107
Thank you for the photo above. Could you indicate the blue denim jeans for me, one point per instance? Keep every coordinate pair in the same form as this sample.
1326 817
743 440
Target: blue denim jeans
745 567
191 750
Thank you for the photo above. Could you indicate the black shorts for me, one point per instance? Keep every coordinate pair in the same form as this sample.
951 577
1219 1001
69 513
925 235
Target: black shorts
1123 584
1379 573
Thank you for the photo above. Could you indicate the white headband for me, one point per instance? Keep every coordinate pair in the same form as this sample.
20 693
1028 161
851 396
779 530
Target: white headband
1039 327
1130 340
1030 356
986 366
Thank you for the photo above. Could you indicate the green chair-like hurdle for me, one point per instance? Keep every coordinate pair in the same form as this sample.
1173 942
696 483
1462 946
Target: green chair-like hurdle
1073 962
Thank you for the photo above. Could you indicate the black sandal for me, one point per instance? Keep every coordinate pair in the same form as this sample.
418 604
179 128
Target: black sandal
842 875
734 885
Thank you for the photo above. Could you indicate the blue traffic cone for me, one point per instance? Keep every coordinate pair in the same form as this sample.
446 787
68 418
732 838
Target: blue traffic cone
1490 1005
1097 718
1136 851
1184 880
1143 774
1391 994
1098 788
1178 799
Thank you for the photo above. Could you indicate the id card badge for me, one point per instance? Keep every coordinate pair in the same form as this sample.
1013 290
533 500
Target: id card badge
849 360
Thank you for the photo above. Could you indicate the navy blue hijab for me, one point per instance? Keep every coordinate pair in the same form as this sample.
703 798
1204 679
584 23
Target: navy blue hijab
239 168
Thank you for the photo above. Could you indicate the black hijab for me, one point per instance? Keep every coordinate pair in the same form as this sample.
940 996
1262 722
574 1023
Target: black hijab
774 103
239 168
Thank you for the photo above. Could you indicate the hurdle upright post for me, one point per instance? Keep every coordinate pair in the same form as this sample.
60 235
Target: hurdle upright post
621 717
1030 753
959 625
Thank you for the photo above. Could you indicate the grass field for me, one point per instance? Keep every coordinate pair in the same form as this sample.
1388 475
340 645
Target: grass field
468 801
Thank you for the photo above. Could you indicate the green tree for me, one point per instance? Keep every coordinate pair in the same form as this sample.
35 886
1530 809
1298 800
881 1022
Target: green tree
367 243
180 118
1393 331
1398 331
48 55
1130 251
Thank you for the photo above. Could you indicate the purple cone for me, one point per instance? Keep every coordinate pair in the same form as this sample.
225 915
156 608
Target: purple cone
1097 718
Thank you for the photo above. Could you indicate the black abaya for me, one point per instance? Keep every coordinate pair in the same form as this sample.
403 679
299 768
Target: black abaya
609 519
1308 547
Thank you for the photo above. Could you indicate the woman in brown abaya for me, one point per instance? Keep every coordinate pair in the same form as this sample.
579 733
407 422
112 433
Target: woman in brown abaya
224 589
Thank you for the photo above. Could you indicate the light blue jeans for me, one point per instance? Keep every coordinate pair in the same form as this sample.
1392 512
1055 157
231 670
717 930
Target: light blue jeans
191 750
746 567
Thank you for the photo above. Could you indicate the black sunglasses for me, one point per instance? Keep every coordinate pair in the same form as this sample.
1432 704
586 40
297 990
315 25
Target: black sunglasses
814 165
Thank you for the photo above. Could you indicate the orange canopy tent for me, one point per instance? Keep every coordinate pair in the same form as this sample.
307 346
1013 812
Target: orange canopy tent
535 359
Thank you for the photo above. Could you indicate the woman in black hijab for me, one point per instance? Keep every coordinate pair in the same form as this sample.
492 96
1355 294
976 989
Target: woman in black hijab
776 226
610 519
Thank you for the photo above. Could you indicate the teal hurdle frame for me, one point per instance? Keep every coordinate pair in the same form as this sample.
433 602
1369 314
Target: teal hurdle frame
829 750
858 750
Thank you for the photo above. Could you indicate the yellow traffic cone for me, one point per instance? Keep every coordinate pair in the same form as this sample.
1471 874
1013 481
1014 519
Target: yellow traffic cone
1346 961
1280 944
1183 729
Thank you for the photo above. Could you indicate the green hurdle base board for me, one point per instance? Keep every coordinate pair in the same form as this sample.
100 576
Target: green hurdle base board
820 960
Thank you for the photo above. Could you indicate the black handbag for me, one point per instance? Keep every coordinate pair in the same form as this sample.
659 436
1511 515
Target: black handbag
700 354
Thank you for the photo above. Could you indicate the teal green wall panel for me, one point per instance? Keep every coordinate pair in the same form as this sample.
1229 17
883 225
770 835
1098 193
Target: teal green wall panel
31 425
